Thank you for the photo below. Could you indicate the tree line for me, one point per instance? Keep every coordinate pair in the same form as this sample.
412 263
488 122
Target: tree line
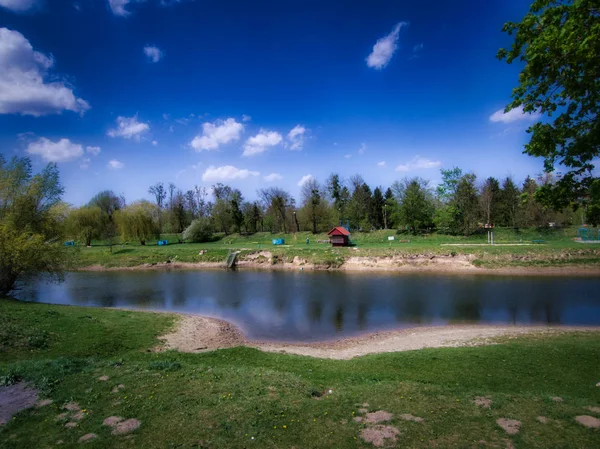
460 205
34 221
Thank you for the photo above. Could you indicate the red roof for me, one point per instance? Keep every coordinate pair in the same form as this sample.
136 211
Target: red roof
338 230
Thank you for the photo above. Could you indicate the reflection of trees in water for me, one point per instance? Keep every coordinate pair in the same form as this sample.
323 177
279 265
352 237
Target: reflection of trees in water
546 311
179 287
362 312
325 303
466 300
513 310
315 311
338 318
413 309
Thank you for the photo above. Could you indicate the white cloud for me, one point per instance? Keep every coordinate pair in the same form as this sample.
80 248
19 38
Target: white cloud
246 118
115 164
154 142
513 115
154 54
296 137
381 164
362 149
171 128
22 86
384 48
217 133
128 127
18 6
305 179
261 142
273 177
61 151
94 151
347 156
418 163
226 173
165 116
118 7
418 47
85 163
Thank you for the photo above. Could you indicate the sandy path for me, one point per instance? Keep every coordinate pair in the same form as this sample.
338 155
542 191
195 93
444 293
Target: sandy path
200 334
195 333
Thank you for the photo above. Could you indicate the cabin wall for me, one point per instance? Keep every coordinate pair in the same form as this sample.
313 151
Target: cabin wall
339 240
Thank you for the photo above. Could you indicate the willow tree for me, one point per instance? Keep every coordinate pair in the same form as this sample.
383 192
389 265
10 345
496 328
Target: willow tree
136 222
31 223
559 43
86 223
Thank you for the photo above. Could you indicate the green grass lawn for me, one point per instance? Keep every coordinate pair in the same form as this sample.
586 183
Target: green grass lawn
558 249
243 398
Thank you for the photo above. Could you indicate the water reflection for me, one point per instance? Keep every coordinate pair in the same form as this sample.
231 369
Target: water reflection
316 306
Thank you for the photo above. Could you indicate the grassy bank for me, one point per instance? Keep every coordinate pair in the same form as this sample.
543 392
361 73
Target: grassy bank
245 398
557 249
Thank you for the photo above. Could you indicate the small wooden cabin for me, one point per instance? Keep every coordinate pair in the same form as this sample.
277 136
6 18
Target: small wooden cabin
339 236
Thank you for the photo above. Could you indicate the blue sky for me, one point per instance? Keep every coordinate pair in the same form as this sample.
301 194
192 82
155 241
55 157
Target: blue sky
123 94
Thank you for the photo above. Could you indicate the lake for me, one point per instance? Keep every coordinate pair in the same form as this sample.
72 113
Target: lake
311 306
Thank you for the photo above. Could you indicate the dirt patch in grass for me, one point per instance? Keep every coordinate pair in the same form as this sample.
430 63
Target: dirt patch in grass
378 416
199 334
409 417
483 401
112 421
43 403
72 407
593 409
544 420
588 421
377 435
14 398
510 426
78 416
123 427
87 437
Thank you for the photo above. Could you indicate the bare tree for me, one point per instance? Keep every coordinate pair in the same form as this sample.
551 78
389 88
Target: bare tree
277 201
160 194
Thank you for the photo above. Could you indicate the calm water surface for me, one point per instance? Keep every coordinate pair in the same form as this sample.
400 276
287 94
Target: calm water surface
306 306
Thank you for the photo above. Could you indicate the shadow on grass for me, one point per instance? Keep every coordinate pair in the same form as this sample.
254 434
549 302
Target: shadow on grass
124 251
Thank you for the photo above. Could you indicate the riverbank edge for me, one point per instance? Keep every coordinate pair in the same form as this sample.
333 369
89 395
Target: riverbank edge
370 265
198 333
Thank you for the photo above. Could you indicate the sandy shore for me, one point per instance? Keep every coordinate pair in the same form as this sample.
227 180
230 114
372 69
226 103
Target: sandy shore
200 334
440 265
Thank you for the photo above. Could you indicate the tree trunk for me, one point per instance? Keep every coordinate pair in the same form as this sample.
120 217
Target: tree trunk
7 282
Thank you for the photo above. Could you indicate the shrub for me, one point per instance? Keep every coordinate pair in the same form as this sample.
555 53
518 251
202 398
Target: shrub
199 231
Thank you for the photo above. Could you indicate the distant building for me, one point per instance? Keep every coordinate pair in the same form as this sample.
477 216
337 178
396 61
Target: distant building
339 236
